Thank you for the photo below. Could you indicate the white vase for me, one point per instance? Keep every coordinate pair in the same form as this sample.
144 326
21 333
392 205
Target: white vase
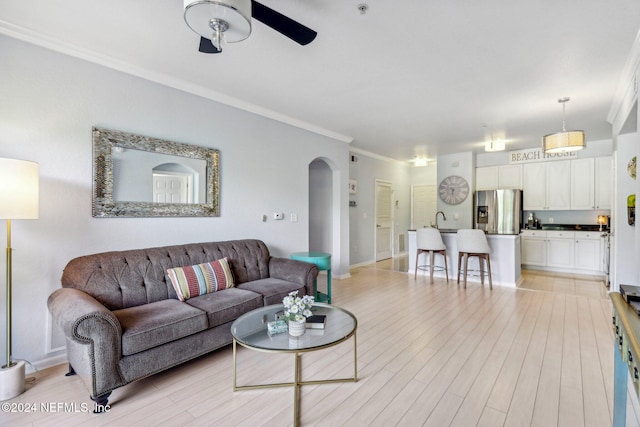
297 329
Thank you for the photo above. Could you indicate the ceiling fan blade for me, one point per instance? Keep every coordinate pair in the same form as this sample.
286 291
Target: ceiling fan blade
282 24
206 46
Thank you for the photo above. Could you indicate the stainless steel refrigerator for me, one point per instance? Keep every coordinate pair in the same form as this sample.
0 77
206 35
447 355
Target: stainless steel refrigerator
498 211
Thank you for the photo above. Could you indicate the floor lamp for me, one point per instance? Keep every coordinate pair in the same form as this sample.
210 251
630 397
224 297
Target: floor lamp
19 196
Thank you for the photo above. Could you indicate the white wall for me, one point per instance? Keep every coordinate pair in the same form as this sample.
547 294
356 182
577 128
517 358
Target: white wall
624 235
425 175
320 207
362 217
46 115
461 164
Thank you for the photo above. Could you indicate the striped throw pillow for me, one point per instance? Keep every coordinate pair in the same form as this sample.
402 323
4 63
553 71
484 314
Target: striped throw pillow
201 279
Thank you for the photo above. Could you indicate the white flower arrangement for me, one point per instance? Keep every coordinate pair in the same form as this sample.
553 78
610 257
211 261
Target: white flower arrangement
295 308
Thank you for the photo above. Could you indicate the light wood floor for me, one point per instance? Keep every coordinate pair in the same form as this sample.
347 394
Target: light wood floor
433 355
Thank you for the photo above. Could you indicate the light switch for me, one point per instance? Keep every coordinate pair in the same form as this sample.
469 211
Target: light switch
278 215
294 217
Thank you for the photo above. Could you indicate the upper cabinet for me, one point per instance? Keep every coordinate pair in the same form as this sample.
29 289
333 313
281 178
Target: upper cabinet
603 182
487 178
510 176
559 185
547 186
534 194
493 177
580 184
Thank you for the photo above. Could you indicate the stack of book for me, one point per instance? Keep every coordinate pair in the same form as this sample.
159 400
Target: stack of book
317 321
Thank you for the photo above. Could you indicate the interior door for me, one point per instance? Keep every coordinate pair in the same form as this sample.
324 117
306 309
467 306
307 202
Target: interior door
384 221
423 205
171 188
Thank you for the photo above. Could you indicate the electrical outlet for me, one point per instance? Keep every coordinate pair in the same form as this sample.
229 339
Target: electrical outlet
294 217
278 215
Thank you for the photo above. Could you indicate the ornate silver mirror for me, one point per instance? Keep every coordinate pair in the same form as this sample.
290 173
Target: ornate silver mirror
138 176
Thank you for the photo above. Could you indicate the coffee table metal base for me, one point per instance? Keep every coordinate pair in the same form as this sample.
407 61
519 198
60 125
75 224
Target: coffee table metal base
297 378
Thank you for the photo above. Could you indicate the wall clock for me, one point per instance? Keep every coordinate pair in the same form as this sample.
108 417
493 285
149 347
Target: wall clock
453 190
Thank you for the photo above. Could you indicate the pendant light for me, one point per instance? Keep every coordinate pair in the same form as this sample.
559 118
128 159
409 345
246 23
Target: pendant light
563 141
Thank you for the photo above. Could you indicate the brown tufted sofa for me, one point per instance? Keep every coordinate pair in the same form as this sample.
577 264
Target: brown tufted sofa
123 321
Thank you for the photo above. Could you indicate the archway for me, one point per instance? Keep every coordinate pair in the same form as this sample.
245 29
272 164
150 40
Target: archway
327 232
320 206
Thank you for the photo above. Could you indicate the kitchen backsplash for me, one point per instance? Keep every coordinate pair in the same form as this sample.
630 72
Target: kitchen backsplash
566 217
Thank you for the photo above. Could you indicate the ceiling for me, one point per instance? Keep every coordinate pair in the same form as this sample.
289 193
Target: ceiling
405 79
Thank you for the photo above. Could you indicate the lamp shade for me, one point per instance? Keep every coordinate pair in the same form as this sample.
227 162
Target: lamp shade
563 141
19 189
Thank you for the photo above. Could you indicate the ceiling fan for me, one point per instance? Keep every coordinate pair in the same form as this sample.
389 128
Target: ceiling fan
220 21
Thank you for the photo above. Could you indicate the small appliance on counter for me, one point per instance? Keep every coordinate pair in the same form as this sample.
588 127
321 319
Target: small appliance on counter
498 211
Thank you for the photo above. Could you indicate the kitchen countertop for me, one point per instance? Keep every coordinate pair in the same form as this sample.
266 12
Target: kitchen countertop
572 227
455 231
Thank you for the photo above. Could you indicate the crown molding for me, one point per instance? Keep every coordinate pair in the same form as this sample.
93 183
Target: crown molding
51 43
627 89
376 156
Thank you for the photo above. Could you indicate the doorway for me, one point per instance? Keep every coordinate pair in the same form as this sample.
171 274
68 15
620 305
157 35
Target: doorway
320 207
172 187
384 220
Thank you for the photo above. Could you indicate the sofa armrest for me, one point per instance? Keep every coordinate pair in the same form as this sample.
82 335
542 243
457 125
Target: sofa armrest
78 315
295 271
94 337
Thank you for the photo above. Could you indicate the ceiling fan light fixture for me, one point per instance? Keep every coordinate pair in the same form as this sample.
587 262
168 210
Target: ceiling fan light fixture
565 141
222 20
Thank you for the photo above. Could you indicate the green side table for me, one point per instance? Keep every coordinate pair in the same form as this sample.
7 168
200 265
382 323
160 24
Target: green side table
323 261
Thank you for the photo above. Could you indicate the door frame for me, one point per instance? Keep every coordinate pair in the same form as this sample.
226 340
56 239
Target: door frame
375 218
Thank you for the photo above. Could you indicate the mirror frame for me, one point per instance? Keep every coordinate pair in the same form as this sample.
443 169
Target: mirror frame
105 140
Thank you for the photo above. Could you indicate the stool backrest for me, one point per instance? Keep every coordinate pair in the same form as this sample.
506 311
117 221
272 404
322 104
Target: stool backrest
429 239
472 241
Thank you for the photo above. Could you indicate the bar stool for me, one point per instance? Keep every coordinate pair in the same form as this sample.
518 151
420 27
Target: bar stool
473 243
429 240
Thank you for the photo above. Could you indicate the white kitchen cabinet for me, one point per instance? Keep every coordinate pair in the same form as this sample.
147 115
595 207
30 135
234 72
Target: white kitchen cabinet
547 186
504 176
487 178
510 176
588 251
582 184
534 247
603 182
570 251
558 185
534 182
560 249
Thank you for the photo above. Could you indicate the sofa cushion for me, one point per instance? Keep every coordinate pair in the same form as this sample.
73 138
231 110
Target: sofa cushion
200 279
150 325
273 290
225 306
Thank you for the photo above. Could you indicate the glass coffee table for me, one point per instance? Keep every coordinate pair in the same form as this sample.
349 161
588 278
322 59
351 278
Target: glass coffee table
250 331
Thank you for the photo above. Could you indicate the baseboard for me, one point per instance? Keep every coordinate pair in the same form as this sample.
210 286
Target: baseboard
47 362
362 264
564 272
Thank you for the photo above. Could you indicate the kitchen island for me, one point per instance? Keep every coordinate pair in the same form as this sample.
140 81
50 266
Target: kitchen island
505 258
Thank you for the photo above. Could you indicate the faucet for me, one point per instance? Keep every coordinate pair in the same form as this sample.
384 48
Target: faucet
444 218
